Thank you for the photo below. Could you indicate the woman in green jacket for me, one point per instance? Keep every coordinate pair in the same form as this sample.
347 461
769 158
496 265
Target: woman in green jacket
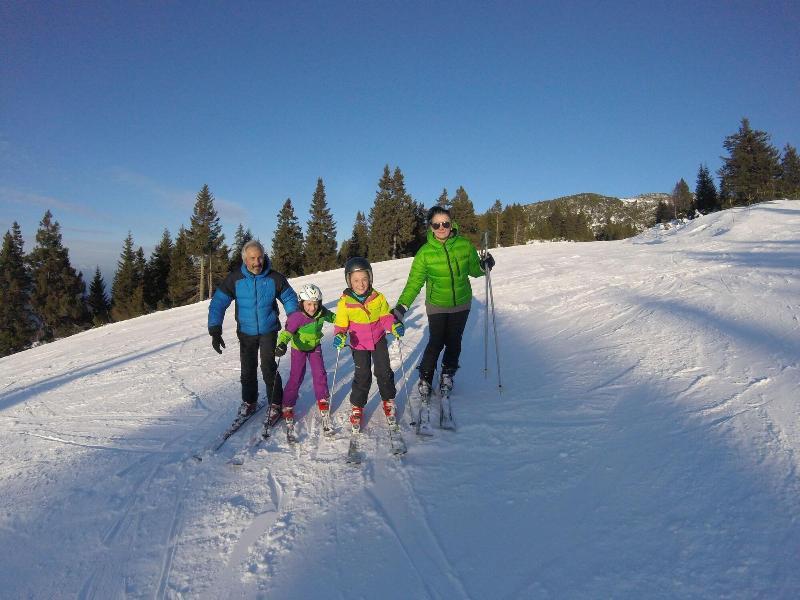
443 265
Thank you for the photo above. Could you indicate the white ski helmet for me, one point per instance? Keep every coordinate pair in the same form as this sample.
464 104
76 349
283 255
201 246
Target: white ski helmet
311 293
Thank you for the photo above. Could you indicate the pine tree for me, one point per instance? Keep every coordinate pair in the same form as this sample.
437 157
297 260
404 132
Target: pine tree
287 243
790 173
357 244
406 241
127 290
320 241
57 297
494 222
663 212
463 213
392 219
99 304
682 201
513 225
443 200
240 238
218 267
182 278
156 274
705 192
420 228
205 235
751 170
17 324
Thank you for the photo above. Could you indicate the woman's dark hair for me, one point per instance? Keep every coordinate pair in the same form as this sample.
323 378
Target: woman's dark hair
437 210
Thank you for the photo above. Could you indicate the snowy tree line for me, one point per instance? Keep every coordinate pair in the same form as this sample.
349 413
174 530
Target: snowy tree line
754 171
42 297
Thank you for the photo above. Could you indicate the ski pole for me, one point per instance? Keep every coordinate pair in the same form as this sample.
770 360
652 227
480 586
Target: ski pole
484 244
275 378
494 326
405 379
333 383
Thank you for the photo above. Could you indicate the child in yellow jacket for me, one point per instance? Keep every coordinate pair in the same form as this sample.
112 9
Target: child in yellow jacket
364 313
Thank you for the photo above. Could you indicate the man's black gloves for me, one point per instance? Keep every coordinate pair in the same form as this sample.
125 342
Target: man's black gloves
487 262
216 339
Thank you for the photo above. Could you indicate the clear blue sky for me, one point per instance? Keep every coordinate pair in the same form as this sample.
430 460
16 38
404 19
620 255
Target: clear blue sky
114 114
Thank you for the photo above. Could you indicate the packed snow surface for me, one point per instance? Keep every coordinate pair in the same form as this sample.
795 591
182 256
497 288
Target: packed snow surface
645 443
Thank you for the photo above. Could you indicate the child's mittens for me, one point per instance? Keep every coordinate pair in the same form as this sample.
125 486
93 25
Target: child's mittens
280 349
340 341
398 329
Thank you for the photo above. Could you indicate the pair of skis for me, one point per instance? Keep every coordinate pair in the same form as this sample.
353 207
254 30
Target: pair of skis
355 455
235 426
446 420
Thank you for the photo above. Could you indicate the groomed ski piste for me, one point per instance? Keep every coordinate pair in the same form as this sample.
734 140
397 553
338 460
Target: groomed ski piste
645 443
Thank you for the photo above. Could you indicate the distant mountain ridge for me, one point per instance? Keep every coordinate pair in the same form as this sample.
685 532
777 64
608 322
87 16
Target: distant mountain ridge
638 211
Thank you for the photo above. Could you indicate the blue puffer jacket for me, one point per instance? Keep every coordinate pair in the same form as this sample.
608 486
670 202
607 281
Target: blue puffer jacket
256 301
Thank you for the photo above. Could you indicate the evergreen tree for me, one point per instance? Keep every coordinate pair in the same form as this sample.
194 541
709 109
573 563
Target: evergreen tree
218 267
576 228
663 212
463 213
751 170
706 192
205 234
17 324
790 173
513 225
182 279
320 242
287 243
99 304
494 223
240 238
392 219
420 228
357 244
156 274
443 200
57 297
682 201
127 290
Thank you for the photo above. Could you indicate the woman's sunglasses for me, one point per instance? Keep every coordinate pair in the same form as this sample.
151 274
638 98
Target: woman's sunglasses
445 224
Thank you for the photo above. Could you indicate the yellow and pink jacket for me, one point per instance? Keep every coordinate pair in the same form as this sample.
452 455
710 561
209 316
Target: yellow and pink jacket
366 322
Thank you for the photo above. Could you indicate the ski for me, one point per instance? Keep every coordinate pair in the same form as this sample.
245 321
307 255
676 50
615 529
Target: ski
354 453
291 433
446 420
252 446
424 418
235 426
398 444
328 430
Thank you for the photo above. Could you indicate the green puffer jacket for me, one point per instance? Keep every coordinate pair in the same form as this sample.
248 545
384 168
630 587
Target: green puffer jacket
305 332
446 269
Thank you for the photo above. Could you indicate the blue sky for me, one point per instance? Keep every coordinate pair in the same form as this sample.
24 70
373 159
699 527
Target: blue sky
114 114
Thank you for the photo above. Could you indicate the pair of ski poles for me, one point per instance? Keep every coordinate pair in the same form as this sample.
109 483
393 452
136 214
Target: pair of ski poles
402 365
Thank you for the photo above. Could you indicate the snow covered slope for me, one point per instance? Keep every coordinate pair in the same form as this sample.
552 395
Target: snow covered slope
645 443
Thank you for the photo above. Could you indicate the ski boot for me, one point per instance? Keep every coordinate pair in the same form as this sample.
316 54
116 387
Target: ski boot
246 409
273 417
355 418
445 384
325 414
390 411
288 417
424 389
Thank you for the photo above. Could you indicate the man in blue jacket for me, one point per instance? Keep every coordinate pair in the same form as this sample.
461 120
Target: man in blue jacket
256 289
